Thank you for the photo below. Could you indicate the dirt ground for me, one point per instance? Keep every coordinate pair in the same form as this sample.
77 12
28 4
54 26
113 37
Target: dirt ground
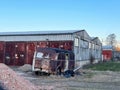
84 80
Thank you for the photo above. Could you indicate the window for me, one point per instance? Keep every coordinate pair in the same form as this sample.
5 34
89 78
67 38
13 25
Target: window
39 55
76 41
93 46
90 45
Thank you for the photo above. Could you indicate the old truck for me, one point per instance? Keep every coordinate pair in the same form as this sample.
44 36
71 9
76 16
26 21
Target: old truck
52 61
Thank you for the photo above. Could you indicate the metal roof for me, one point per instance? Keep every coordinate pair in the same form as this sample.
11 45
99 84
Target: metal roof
107 47
39 32
54 49
93 38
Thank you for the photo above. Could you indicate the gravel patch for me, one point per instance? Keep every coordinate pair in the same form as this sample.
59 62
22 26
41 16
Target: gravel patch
25 68
85 80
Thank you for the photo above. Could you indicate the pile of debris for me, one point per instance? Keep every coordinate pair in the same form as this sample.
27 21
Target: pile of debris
11 81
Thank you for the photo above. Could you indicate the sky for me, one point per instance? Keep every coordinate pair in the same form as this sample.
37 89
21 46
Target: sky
98 17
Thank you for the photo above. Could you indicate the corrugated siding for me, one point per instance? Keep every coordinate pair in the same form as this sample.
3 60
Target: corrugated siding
37 38
82 51
1 52
15 53
20 53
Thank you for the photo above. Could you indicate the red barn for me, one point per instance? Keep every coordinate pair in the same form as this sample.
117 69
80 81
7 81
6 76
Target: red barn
107 53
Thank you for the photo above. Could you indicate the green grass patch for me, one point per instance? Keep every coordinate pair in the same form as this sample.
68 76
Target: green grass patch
104 66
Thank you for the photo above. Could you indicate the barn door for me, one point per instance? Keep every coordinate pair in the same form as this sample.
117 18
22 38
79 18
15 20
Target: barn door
9 53
15 53
20 50
30 51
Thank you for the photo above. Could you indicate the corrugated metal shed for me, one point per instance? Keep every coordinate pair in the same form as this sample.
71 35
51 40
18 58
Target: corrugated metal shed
77 41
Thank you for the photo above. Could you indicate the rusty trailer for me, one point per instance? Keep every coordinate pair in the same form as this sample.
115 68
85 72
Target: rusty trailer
52 61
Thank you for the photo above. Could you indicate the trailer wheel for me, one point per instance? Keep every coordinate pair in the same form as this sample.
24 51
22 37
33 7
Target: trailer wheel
69 73
48 74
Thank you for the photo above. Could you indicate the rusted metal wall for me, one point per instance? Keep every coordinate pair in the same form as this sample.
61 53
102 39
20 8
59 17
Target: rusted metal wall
31 46
30 49
67 45
14 53
1 52
42 44
20 53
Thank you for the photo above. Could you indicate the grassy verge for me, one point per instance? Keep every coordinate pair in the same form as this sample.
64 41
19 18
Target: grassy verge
104 66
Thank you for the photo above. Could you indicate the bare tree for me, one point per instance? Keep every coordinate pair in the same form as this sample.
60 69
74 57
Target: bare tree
111 40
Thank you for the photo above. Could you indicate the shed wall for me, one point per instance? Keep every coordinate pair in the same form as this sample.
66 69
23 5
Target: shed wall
86 49
20 53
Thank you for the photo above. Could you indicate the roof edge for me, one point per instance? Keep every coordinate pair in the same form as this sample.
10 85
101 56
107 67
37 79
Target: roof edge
39 32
